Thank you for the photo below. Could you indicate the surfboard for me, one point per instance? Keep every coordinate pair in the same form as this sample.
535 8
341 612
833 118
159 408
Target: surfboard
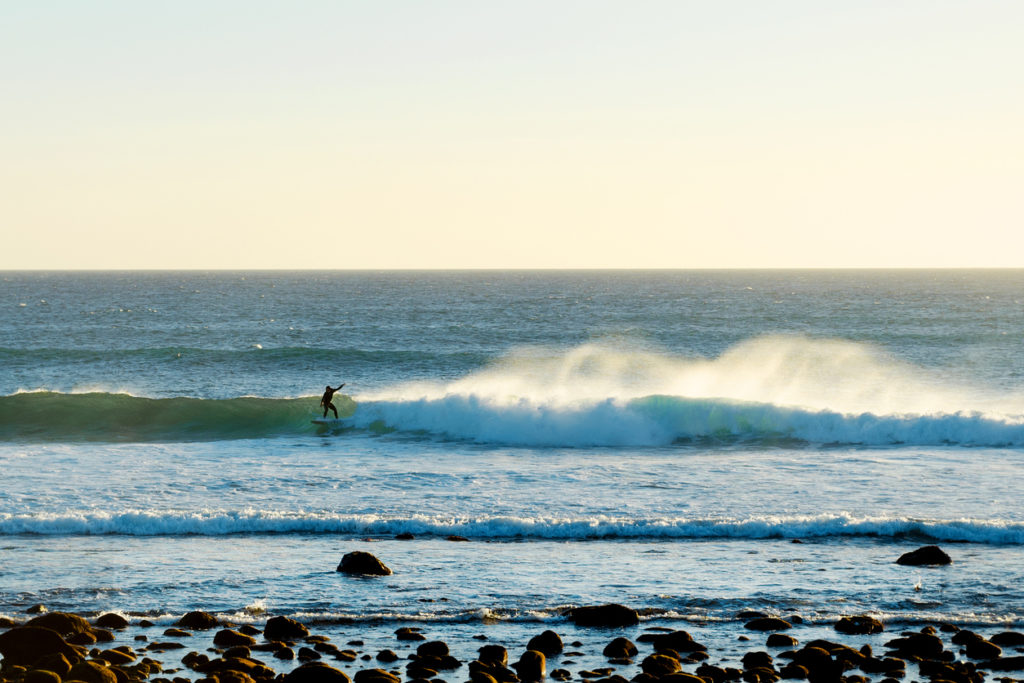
330 421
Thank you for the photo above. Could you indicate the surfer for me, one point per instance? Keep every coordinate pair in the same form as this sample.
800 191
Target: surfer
326 400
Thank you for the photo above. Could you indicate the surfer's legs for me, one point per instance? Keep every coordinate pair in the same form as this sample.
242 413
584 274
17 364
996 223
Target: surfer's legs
331 406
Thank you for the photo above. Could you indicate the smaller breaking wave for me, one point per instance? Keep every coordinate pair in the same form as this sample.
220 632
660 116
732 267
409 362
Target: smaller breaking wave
223 523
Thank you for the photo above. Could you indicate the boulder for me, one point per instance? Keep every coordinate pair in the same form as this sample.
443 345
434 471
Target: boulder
677 641
57 663
373 676
620 648
387 656
201 621
229 638
607 616
283 628
316 672
1006 664
408 633
1008 639
177 633
111 620
23 646
926 555
91 672
40 676
495 654
859 625
757 660
433 648
63 623
768 624
983 649
117 657
362 563
780 640
921 645
531 666
659 665
547 642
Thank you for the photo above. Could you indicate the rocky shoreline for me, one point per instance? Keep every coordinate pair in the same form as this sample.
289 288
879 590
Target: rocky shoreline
58 647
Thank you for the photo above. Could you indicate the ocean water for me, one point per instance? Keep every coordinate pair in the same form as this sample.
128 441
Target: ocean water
691 444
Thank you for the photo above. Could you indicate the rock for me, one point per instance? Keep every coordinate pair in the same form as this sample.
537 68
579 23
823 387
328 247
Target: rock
57 663
607 616
678 641
917 645
795 672
111 620
560 675
404 536
373 676
387 656
177 633
659 665
433 648
495 654
283 628
40 676
248 667
456 539
408 633
102 635
1008 639
249 630
36 609
119 657
316 672
91 672
237 652
24 645
926 555
768 624
983 649
201 621
547 642
620 648
307 654
63 623
1006 664
859 625
83 638
531 666
757 660
681 677
7 622
362 563
781 640
285 653
229 638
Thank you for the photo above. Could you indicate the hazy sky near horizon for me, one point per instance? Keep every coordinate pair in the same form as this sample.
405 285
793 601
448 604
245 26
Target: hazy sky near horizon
534 134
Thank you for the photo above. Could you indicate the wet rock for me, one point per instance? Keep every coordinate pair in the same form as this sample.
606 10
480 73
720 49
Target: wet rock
659 665
24 645
456 539
531 666
768 624
678 641
249 630
983 649
781 640
561 674
82 638
1006 664
91 672
681 677
63 623
859 625
40 676
404 536
57 663
495 654
237 652
317 672
229 638
110 620
921 645
387 656
102 635
200 621
285 653
620 648
1008 639
248 667
307 654
757 660
283 628
36 609
925 555
409 633
6 622
117 657
609 616
433 648
362 563
177 633
547 642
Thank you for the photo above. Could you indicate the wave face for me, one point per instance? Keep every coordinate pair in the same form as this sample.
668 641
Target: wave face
100 416
788 390
220 523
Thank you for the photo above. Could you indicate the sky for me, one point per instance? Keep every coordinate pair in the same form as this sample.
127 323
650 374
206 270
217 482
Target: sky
517 134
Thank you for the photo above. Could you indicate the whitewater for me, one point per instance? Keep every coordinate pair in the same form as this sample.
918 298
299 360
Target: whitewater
690 443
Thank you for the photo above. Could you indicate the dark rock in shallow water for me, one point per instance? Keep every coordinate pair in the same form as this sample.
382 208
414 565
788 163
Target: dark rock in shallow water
114 621
677 641
201 621
757 660
1006 664
859 625
359 562
316 672
6 622
456 539
781 640
404 536
283 628
408 633
926 555
768 624
620 648
229 638
36 609
983 649
91 672
660 665
387 656
40 676
611 615
1008 639
57 663
63 623
548 642
918 645
495 654
25 645
531 666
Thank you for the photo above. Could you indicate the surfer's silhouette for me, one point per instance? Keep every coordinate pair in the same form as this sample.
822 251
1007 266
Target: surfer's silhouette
326 400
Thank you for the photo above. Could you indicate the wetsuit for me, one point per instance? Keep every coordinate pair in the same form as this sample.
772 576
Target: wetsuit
326 401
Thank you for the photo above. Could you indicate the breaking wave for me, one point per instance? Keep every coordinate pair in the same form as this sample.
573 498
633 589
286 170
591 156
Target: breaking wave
222 523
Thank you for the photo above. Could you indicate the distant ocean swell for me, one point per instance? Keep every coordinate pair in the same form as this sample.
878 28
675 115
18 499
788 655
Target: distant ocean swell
647 421
220 523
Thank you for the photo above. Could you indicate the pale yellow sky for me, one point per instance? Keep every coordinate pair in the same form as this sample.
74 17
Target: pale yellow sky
469 134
